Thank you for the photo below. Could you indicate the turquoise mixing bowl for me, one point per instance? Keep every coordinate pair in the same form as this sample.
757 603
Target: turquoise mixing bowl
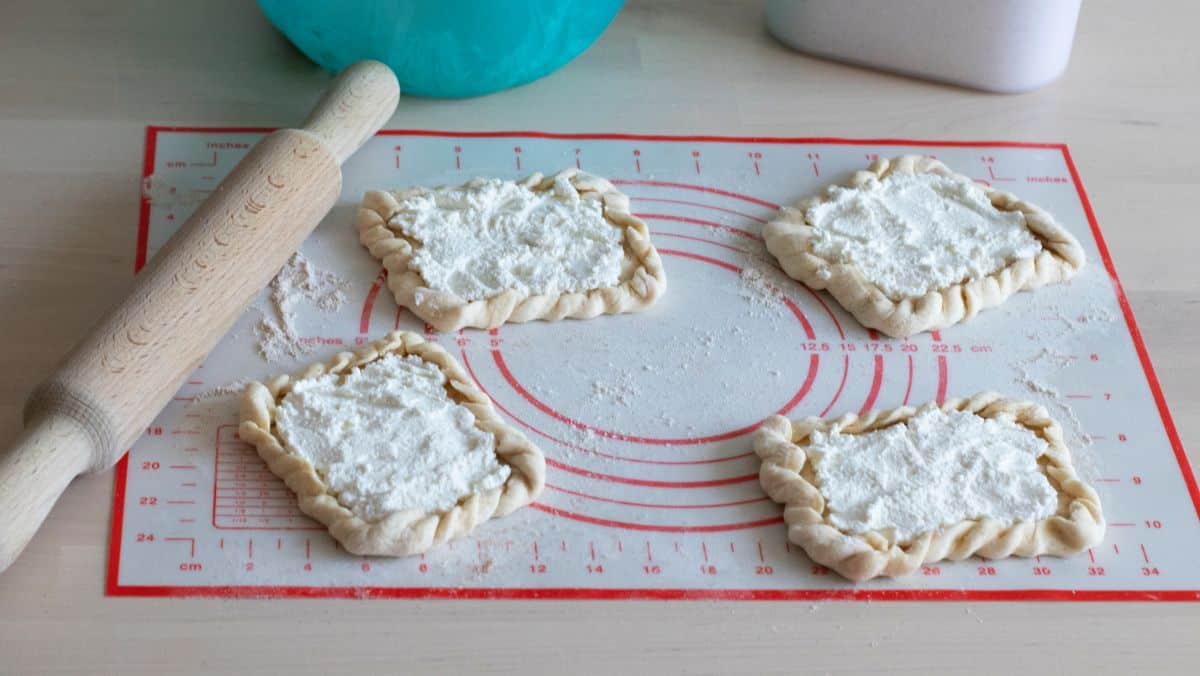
445 48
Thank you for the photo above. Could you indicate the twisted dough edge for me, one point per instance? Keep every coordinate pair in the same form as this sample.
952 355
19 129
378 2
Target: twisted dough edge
639 288
398 533
789 236
780 443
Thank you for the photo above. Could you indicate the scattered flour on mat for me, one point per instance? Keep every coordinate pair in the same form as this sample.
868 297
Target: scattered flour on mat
300 281
1054 330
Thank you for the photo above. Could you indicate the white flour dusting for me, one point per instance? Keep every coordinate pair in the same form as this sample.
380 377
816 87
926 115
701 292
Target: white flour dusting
387 437
299 281
489 236
937 469
911 234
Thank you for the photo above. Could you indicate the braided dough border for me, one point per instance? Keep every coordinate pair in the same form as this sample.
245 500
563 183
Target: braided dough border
643 279
399 533
788 480
788 238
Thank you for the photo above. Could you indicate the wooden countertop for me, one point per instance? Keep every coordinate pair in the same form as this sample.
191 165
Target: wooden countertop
78 85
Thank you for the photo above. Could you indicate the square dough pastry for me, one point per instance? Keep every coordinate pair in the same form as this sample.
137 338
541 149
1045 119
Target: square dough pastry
522 243
1050 255
1073 520
380 519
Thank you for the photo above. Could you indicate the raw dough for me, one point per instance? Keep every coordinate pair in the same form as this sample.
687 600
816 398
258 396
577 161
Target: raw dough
391 225
792 239
406 531
789 478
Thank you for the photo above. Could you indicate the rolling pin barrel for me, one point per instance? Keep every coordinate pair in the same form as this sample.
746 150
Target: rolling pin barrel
117 379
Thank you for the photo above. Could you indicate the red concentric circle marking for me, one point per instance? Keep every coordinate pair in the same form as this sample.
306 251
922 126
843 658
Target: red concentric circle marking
698 188
770 521
364 322
583 449
664 200
652 505
796 398
649 483
699 221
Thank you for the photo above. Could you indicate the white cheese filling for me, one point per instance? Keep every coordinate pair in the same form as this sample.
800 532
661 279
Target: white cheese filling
937 469
489 236
387 437
914 233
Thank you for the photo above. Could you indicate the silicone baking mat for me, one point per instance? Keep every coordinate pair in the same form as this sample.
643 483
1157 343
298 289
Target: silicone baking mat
652 491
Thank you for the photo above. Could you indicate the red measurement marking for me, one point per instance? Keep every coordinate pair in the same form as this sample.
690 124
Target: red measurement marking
619 547
816 171
211 163
1079 396
1120 525
250 548
677 547
189 484
637 165
535 550
1091 556
994 177
187 521
186 432
704 550
760 552
279 543
221 543
562 545
592 550
308 549
1116 550
195 382
648 556
1145 556
182 467
1108 481
731 546
181 502
192 541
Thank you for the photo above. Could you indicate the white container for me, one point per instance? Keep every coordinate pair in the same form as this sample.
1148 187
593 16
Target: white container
997 45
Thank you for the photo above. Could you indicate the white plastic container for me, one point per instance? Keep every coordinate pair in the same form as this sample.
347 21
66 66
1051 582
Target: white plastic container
997 45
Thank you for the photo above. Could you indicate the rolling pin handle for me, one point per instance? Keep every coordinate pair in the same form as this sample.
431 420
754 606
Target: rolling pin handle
359 102
53 450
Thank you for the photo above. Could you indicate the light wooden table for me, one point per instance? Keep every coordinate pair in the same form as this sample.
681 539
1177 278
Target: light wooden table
78 84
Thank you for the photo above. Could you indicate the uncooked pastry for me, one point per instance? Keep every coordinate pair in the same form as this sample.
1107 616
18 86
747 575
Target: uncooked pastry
642 279
788 478
405 532
789 238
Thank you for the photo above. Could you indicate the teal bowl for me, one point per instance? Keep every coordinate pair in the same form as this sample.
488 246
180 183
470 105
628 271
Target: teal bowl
445 48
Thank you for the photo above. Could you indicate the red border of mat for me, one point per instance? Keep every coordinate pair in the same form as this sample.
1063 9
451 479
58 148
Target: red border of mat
114 588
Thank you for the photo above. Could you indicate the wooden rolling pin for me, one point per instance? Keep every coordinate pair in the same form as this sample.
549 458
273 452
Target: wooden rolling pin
117 379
